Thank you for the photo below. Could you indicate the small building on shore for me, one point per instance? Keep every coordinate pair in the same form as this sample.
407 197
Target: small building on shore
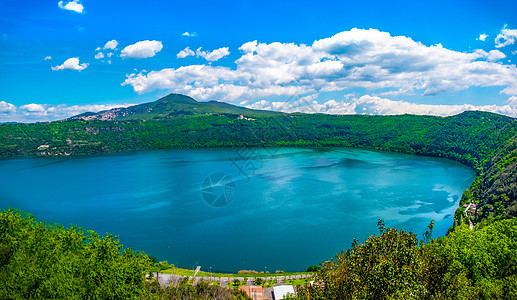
281 290
254 291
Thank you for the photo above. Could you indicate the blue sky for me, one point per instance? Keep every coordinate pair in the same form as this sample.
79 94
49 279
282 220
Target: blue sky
373 57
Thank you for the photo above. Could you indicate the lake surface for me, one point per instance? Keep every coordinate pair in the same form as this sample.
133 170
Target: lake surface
235 209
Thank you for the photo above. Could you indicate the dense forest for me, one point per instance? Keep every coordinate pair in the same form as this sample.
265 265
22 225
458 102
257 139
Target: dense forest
466 264
40 260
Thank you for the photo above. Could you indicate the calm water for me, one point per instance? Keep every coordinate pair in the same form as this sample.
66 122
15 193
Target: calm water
274 209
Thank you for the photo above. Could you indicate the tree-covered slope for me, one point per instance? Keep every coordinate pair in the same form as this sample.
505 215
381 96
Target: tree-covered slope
48 261
495 189
466 264
38 260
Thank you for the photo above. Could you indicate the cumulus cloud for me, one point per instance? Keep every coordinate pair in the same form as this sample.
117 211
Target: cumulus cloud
6 107
506 37
493 55
45 112
372 105
185 52
33 107
142 49
482 37
366 59
99 55
73 5
110 45
215 55
189 34
71 64
48 57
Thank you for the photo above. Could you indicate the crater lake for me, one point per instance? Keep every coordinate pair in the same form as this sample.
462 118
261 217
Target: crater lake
239 209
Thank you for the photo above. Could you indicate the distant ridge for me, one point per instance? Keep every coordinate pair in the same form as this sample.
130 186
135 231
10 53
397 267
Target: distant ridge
173 105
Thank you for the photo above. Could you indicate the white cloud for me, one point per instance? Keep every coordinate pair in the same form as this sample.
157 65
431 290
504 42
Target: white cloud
365 59
63 111
110 45
110 54
6 107
98 49
33 107
512 100
215 55
506 37
142 49
71 64
189 34
73 5
45 112
48 57
372 105
482 37
185 52
99 55
493 55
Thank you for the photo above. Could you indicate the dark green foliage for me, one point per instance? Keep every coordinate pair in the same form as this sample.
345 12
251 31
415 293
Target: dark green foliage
487 256
38 260
185 291
259 281
496 192
313 269
464 265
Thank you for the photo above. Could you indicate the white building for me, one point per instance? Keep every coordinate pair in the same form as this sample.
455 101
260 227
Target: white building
280 291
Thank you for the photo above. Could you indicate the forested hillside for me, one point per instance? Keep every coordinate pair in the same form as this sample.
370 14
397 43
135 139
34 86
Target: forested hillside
47 261
466 264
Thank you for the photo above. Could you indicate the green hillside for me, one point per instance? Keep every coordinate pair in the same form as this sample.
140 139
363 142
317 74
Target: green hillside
171 106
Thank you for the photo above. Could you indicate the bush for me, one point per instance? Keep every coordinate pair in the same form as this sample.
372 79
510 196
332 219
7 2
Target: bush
466 264
39 260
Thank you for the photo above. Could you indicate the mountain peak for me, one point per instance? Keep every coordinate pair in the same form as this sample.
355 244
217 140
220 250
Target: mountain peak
170 106
177 98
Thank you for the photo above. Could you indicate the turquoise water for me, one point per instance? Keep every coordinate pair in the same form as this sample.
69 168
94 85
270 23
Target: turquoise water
234 209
